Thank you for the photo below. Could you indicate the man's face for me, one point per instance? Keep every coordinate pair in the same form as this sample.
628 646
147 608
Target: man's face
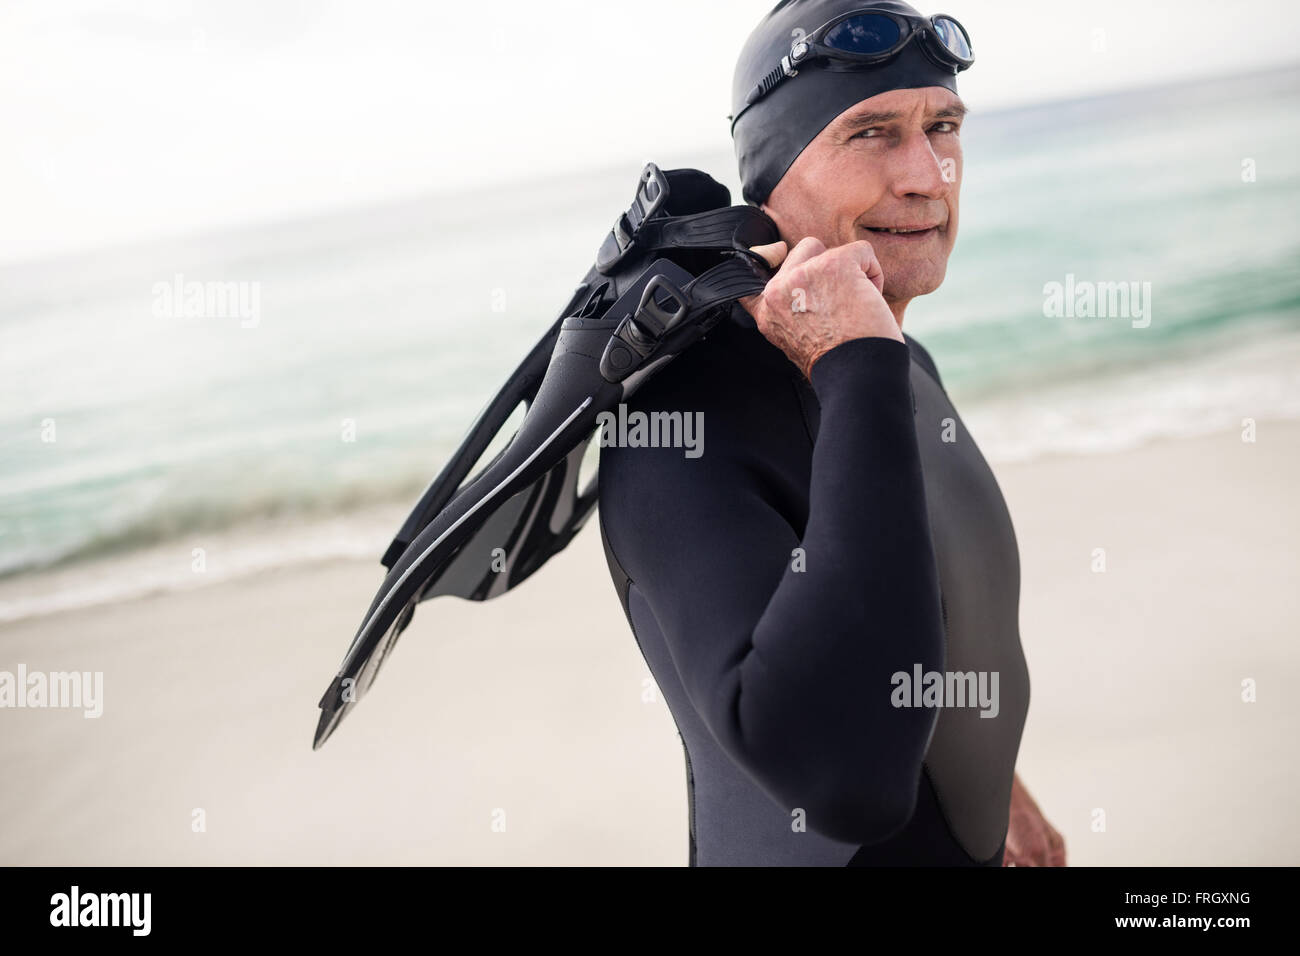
890 161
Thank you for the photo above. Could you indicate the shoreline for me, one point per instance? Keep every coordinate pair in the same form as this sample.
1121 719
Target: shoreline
250 548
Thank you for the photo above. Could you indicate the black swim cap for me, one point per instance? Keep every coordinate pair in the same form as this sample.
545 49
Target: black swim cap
775 130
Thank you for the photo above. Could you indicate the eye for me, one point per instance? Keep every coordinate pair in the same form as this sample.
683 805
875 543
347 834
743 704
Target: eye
945 127
870 133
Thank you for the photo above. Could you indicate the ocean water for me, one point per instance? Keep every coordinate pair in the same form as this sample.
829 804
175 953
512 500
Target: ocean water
365 341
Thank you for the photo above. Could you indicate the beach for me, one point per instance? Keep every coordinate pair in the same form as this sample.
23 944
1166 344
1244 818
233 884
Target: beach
522 731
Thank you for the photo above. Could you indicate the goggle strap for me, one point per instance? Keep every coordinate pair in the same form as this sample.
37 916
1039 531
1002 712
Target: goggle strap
767 84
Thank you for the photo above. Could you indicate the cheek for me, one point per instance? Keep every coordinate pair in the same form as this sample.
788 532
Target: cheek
805 214
953 199
862 178
855 187
825 193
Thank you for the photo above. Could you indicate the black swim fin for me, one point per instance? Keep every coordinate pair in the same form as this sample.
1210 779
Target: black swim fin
667 272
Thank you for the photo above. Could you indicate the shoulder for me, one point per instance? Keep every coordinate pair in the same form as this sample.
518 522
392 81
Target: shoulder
736 395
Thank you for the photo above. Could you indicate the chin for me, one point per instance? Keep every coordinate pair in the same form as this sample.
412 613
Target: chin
912 284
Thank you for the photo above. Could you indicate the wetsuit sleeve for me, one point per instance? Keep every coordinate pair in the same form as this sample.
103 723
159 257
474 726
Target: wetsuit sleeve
789 656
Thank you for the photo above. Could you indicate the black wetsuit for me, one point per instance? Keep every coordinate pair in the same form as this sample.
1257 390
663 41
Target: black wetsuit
831 535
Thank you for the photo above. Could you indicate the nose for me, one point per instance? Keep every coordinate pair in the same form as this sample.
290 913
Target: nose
917 172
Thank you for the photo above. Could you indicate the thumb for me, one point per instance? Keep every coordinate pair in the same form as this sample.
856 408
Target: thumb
773 254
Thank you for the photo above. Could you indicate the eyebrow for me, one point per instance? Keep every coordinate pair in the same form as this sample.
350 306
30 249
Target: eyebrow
865 120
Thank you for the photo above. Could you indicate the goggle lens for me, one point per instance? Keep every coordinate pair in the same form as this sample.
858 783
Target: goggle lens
866 33
950 36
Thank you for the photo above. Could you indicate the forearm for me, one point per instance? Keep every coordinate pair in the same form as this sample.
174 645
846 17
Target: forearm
811 702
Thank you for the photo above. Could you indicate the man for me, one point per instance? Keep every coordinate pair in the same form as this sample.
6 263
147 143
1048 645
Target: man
828 596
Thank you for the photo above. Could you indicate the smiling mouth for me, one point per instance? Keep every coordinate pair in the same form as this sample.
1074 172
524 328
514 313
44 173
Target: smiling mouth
916 231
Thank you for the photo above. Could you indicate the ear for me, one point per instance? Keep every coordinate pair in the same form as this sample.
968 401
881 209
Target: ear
775 217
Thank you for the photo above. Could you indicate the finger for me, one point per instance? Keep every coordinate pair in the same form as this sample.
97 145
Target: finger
1036 849
1041 852
1022 856
1054 839
1031 844
865 256
805 249
1056 855
773 253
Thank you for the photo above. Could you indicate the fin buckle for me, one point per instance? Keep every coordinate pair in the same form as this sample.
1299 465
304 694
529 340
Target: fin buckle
651 194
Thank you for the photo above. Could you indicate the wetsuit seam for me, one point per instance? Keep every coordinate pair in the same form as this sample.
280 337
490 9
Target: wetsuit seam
927 366
804 411
947 819
692 850
943 607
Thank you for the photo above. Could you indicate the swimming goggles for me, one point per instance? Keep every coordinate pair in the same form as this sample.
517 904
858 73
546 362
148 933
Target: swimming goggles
864 38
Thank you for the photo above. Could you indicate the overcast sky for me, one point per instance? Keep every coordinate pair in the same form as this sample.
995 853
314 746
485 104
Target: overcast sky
131 119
